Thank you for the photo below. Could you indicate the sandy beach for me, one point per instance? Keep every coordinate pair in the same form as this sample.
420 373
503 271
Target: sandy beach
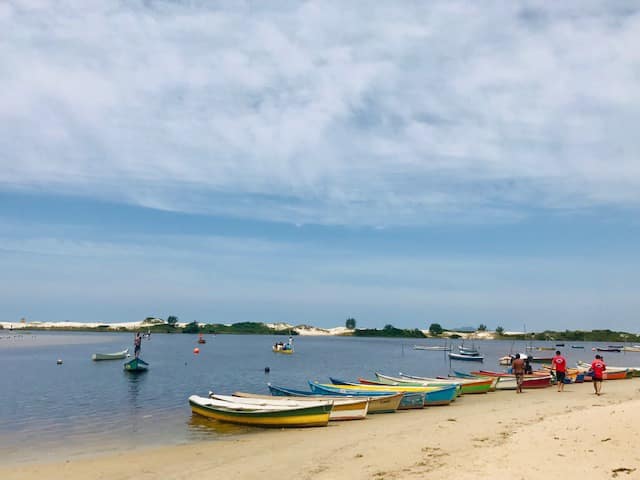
497 435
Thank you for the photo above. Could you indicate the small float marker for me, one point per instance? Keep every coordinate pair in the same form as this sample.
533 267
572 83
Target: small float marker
59 362
196 350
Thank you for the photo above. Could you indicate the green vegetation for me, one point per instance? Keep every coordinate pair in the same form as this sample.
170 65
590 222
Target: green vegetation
388 331
579 336
172 320
482 328
350 323
191 328
499 330
435 329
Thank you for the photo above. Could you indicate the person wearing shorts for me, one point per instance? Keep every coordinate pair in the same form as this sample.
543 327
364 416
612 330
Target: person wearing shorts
518 370
559 365
598 367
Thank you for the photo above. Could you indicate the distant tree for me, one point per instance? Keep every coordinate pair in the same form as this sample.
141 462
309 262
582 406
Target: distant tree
499 330
172 320
435 329
388 327
191 328
350 323
482 328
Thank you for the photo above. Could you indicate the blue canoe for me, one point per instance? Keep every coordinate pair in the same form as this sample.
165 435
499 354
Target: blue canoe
136 365
441 395
409 399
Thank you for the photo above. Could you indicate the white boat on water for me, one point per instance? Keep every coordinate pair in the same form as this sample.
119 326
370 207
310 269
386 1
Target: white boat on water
110 356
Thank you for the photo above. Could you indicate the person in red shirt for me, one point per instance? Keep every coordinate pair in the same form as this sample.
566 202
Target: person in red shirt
598 367
559 364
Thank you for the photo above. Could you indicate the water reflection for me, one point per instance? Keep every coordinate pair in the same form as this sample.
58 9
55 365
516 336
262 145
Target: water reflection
207 428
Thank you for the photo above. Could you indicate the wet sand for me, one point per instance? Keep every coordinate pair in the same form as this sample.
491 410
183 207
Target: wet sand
500 435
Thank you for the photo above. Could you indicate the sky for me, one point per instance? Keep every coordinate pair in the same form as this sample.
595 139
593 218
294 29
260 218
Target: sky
396 162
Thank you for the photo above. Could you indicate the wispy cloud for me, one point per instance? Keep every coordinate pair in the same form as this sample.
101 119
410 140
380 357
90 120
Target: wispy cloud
324 112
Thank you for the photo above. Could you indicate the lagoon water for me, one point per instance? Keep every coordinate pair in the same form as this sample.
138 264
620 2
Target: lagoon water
82 407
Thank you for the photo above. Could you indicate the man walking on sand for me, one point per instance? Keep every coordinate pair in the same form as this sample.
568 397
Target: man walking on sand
598 367
559 365
518 370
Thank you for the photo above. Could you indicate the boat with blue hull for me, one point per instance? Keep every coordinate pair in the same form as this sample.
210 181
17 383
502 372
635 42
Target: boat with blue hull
377 403
410 400
137 365
434 395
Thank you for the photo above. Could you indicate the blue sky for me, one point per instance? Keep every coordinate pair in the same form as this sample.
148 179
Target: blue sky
306 162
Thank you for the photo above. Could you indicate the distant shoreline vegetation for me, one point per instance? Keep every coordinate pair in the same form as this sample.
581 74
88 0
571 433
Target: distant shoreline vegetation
259 328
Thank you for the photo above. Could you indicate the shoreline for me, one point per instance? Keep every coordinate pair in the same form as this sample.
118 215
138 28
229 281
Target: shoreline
571 433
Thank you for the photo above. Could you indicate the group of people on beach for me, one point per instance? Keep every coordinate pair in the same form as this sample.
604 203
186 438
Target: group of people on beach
522 366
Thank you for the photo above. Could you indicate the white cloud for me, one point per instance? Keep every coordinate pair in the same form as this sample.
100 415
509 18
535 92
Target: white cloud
325 112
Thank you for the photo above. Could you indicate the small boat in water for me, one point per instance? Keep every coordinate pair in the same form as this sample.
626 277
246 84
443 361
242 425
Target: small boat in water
312 415
434 348
136 365
110 356
466 357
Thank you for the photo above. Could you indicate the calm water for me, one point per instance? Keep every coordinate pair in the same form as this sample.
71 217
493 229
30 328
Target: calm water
96 406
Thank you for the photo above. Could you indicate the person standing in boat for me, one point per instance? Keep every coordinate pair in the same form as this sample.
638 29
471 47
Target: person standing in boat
559 365
518 370
137 343
598 367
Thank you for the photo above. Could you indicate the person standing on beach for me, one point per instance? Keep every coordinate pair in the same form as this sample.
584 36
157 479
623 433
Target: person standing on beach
518 370
137 343
598 367
559 365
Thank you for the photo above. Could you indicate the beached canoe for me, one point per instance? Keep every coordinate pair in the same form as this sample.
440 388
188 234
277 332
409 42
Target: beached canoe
432 382
509 383
477 386
377 403
410 399
434 395
343 408
306 416
110 356
607 349
136 365
585 367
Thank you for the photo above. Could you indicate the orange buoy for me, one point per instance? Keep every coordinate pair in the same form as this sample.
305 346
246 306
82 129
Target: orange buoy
196 350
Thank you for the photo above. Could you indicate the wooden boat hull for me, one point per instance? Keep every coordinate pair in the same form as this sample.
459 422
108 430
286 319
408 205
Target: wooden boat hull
96 357
137 365
468 386
398 381
442 394
313 416
282 351
509 383
410 399
377 403
343 409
